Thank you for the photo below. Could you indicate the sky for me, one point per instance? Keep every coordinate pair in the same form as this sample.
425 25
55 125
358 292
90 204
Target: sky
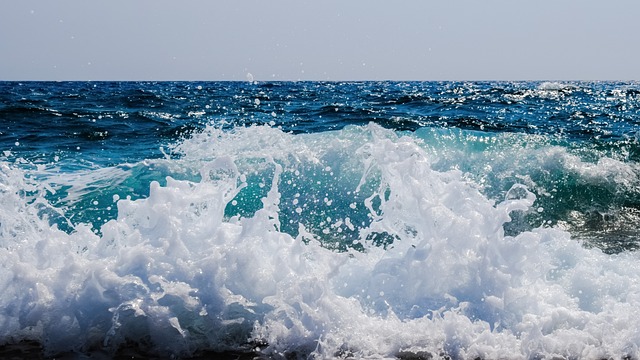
320 40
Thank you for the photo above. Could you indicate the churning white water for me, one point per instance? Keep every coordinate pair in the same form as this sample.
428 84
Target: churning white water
357 247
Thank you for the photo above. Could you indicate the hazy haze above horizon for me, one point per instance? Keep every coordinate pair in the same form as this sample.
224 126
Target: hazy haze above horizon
319 40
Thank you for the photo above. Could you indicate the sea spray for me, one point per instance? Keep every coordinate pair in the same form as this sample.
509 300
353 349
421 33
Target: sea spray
182 270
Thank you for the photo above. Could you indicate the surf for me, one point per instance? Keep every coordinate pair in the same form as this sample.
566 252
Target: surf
360 242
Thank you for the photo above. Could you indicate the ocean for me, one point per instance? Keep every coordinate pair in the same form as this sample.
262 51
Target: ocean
320 219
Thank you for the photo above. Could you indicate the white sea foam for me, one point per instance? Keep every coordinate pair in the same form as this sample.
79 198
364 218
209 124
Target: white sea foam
553 86
546 90
176 275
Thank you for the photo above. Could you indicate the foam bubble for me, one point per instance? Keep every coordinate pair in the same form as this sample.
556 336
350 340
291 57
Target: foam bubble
434 272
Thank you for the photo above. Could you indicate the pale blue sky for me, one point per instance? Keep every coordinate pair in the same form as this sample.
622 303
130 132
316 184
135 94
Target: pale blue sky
319 40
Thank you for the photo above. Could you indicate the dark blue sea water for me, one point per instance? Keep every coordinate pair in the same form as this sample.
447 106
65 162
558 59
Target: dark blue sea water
321 218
